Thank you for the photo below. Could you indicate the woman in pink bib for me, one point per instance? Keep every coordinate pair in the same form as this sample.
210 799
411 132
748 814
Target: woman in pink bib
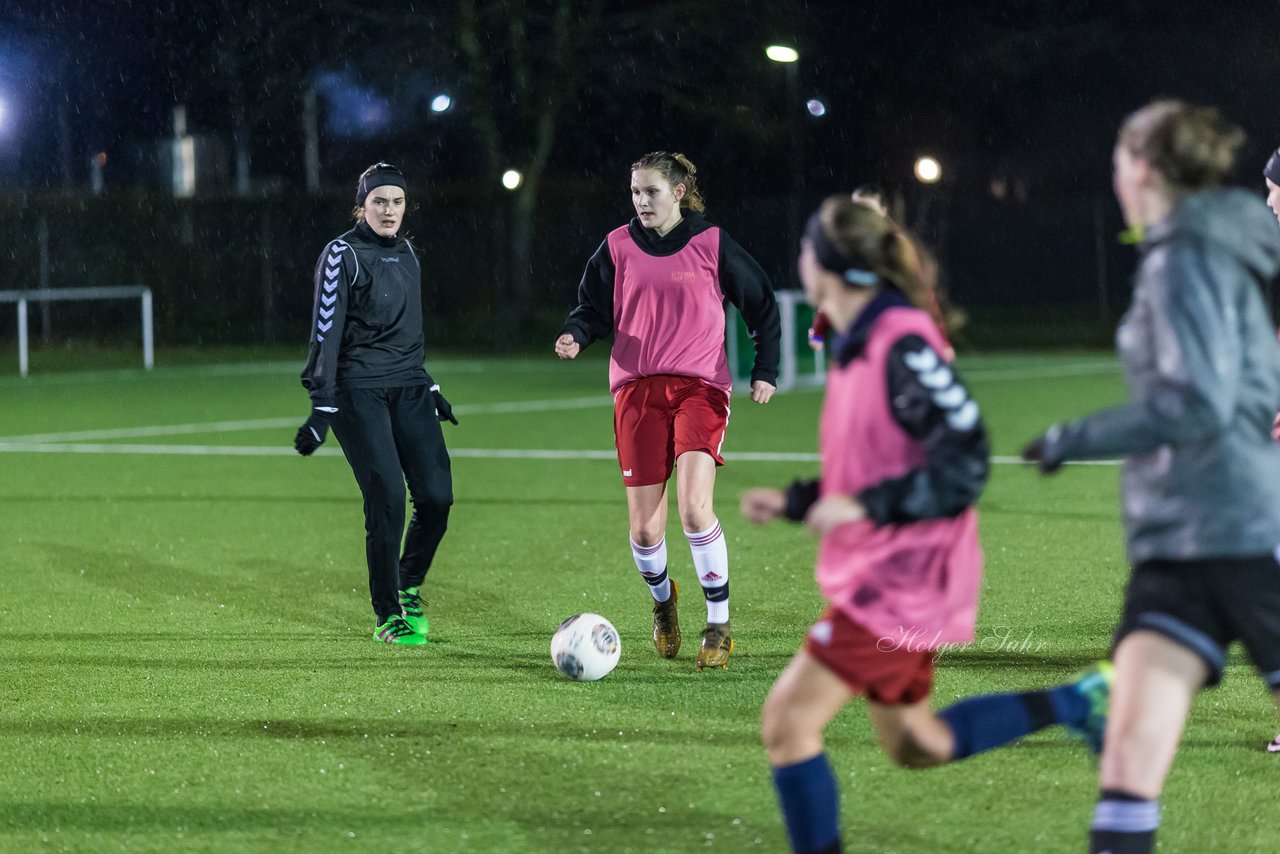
904 458
659 285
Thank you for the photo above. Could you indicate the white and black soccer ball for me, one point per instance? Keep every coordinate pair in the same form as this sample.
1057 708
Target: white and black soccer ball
586 647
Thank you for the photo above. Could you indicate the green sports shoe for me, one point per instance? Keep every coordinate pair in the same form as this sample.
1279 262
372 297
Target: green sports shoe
414 607
1095 686
397 630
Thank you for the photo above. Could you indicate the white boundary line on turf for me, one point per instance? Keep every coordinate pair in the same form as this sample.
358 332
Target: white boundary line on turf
275 423
457 453
510 407
235 369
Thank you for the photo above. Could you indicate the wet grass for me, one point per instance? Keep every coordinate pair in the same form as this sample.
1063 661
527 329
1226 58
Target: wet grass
187 664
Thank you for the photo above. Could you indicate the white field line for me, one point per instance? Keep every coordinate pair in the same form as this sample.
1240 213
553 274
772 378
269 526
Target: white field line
457 453
293 421
157 430
438 368
442 368
511 407
74 441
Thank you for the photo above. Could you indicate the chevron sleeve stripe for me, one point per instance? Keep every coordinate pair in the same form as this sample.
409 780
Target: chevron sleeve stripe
335 271
931 404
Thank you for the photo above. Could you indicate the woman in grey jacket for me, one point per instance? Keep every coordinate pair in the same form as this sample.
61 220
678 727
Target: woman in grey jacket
1201 477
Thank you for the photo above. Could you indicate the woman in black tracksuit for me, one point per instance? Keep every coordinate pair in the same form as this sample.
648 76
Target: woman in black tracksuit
366 380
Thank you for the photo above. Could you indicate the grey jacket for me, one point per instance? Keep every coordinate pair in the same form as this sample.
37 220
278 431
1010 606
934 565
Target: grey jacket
1201 474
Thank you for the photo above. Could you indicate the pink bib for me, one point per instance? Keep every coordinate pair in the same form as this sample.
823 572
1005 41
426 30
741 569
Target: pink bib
915 583
668 312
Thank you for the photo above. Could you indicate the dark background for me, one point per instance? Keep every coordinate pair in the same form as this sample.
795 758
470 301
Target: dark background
1020 102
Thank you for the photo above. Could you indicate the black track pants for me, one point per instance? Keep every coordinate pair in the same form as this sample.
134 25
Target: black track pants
390 436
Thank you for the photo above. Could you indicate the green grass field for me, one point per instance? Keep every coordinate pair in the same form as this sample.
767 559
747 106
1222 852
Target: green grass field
187 665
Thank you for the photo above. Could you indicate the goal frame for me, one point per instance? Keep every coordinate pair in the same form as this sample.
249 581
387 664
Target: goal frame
25 298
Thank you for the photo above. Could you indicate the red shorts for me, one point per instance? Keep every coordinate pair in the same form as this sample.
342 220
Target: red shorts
658 418
881 668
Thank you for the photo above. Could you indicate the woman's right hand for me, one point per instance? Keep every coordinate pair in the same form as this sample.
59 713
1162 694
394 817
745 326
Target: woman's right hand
566 347
763 505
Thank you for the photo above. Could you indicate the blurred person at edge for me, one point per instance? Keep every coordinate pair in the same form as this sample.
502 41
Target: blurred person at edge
1271 175
1201 479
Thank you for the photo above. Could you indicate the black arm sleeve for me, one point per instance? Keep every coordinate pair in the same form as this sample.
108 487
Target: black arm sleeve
335 271
593 318
931 404
801 495
745 284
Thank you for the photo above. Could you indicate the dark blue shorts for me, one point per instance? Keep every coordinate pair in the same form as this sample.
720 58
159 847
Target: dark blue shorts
1204 605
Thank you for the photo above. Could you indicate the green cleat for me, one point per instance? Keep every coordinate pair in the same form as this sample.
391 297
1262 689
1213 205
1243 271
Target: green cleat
1095 686
413 607
397 630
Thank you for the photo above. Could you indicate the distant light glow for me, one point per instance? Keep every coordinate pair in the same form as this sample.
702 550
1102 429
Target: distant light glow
441 103
816 108
512 179
928 170
4 113
781 53
375 114
100 158
353 110
184 167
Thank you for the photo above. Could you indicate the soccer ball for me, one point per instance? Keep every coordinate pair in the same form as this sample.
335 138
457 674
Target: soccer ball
586 647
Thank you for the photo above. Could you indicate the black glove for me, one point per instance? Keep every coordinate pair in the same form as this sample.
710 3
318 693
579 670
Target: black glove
313 431
443 410
1034 452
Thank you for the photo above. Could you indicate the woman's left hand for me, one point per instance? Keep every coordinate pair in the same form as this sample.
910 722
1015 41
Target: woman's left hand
761 391
833 511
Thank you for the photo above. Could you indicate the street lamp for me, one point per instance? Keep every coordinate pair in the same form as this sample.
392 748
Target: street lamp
928 170
512 179
441 103
781 53
789 57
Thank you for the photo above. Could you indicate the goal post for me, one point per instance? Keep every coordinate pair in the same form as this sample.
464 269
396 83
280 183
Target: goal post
24 298
799 365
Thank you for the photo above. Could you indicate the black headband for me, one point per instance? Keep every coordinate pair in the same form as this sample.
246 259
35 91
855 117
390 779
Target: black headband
1272 169
855 271
383 175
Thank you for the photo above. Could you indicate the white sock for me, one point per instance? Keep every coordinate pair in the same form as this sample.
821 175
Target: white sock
711 560
652 563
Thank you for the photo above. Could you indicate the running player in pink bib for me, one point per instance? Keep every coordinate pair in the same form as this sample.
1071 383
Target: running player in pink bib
659 286
904 458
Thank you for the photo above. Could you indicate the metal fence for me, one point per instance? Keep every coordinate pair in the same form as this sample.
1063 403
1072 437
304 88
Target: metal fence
1044 272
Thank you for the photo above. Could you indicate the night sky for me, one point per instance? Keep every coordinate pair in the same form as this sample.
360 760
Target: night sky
1027 92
